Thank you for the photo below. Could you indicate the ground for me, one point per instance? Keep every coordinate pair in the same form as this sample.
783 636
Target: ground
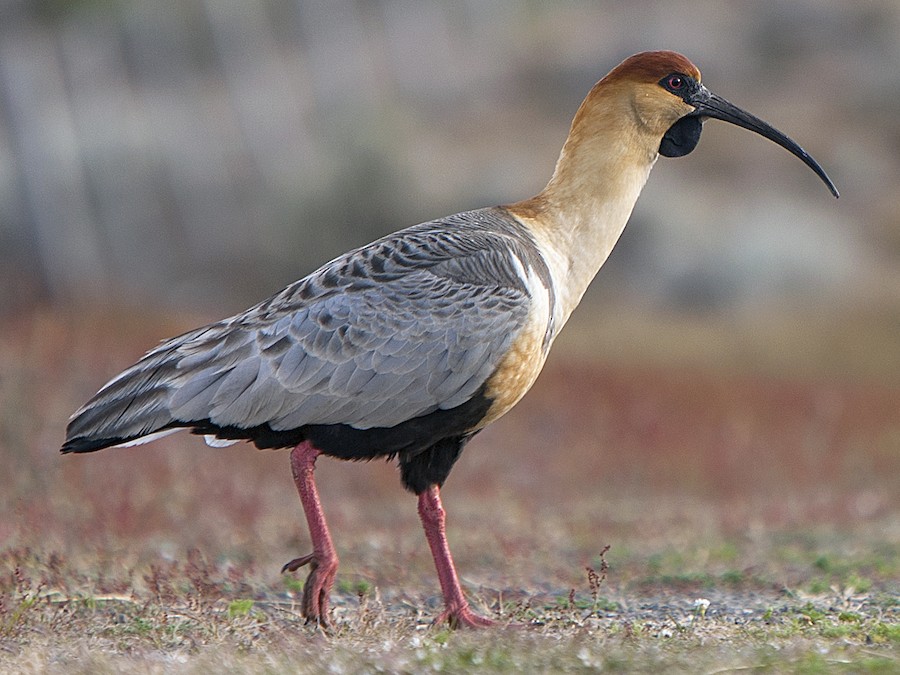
750 506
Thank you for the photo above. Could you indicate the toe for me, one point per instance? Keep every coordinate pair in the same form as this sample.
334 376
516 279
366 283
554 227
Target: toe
463 617
297 563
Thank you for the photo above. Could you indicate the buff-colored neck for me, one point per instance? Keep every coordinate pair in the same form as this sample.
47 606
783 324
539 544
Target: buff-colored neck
579 216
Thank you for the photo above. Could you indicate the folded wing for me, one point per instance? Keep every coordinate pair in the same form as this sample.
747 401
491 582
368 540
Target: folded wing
413 323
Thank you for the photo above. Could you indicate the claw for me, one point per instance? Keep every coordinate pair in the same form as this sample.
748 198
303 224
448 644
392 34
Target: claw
297 563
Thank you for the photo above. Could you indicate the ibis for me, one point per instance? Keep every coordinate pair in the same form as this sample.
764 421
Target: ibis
409 346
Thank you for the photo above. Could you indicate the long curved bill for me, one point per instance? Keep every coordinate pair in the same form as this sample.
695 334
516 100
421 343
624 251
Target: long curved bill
708 104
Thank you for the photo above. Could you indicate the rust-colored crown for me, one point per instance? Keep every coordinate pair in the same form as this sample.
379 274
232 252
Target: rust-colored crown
652 67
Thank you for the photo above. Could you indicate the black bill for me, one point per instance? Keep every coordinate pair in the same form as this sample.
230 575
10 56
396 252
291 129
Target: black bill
708 104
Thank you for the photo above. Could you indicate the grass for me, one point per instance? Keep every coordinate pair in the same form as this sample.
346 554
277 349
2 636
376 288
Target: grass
751 522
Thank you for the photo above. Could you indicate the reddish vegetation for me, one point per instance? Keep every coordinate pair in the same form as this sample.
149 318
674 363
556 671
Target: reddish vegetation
726 436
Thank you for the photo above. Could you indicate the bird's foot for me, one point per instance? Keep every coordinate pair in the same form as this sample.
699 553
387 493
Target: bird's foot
322 571
463 617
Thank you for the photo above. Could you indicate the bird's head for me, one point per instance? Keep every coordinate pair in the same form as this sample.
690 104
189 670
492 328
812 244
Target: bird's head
664 96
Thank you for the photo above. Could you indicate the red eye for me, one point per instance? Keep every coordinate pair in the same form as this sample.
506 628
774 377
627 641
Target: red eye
675 82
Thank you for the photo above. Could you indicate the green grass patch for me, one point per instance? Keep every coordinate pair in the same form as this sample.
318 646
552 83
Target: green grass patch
819 585
886 632
360 587
238 608
293 584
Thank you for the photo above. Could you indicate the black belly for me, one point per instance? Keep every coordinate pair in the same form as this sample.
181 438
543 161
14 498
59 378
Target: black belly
427 446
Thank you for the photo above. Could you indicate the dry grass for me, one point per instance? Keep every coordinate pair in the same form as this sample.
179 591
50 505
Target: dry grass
774 497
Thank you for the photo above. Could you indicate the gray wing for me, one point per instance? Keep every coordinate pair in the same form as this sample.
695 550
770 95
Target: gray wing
410 324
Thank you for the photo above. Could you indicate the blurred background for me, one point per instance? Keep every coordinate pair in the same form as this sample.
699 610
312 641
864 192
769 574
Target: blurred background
731 382
203 154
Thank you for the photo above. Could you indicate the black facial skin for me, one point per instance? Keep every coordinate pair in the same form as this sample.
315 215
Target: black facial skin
681 138
683 86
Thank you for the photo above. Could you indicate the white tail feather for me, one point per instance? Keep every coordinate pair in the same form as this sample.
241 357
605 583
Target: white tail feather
146 439
214 442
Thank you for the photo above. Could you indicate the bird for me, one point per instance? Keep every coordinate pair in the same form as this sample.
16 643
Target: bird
408 347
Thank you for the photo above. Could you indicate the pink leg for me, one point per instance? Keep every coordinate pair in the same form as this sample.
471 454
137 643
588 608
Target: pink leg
456 609
323 561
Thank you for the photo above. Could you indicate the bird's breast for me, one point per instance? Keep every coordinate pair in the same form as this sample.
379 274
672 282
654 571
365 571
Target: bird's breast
523 361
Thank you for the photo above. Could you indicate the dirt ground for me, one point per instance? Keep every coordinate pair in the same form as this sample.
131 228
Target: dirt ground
750 503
